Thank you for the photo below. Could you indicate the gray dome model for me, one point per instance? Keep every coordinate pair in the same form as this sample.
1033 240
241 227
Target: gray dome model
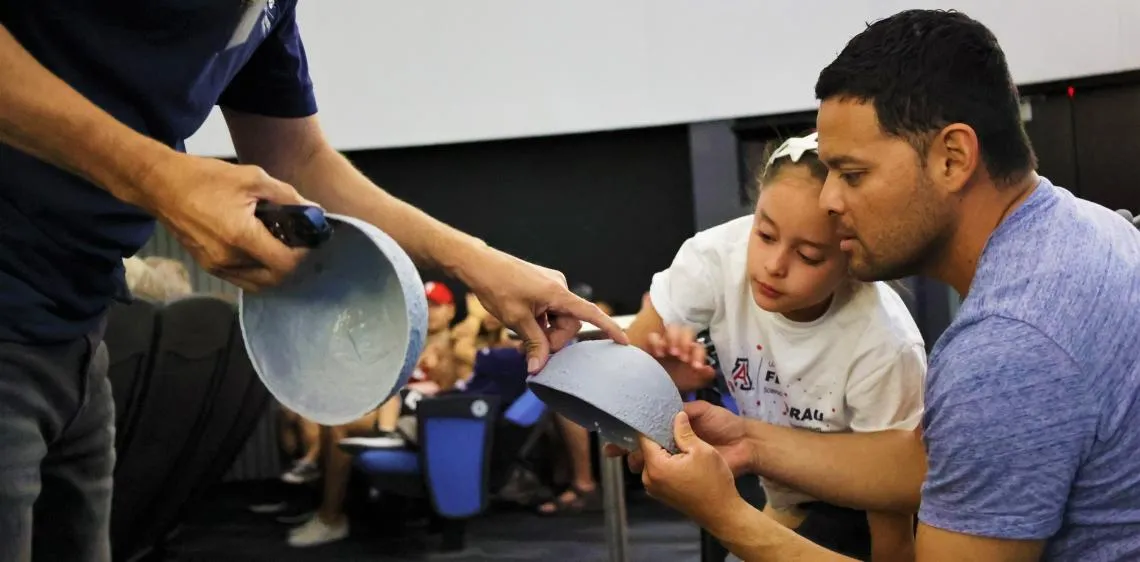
343 333
616 389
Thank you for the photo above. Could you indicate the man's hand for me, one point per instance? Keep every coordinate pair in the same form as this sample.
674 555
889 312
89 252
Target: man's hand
696 481
208 206
535 303
680 343
718 428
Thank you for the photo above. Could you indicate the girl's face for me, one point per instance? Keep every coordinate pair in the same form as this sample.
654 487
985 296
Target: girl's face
794 262
440 317
436 355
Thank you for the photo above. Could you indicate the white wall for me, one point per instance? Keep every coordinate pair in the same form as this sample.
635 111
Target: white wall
403 73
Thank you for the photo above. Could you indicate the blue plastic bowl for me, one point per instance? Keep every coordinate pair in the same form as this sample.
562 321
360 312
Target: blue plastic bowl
342 334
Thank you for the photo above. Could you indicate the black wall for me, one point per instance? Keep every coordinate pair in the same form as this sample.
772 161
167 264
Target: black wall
1089 142
609 209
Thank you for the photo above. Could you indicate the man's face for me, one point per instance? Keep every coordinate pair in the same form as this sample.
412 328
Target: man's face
893 221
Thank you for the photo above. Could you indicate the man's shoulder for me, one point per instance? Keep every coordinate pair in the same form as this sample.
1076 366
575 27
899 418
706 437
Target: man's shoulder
1064 267
975 346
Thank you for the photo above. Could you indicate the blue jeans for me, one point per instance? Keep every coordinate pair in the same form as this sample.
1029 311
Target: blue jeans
57 434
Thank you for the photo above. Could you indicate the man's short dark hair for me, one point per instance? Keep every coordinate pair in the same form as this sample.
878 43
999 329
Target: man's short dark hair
925 69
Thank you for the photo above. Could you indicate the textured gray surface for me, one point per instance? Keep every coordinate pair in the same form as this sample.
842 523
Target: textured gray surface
618 390
342 333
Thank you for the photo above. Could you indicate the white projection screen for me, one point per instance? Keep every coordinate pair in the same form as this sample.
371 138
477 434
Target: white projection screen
392 73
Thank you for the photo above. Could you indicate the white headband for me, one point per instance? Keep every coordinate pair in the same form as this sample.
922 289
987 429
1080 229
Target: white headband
795 148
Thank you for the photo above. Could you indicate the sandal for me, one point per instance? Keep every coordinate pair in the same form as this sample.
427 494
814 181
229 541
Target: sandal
581 502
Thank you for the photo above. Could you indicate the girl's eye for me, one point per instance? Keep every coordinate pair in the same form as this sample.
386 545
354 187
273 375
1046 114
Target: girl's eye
810 260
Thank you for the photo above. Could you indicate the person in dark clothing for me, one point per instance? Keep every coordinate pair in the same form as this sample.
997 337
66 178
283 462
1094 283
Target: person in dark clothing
96 100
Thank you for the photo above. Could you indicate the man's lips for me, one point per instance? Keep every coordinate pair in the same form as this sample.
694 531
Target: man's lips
847 238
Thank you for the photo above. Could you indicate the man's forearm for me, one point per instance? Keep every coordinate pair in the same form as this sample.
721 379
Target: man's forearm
329 179
755 537
43 116
880 471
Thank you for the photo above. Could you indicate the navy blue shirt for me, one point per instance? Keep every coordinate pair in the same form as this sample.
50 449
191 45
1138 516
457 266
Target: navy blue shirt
159 66
499 371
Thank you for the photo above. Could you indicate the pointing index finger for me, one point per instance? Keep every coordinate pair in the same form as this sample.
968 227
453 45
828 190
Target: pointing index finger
587 312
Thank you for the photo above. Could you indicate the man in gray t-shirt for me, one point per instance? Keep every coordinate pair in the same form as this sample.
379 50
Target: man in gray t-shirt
1031 432
1032 424
1033 397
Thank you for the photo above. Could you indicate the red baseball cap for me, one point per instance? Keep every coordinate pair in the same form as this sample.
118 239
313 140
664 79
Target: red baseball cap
438 293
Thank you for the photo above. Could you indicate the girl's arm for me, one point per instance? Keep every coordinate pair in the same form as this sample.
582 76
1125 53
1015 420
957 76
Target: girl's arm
685 376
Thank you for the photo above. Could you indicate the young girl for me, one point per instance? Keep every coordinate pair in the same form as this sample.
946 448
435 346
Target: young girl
800 343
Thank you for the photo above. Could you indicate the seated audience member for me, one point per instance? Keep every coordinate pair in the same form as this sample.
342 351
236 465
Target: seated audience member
157 279
1028 445
499 371
479 330
583 494
329 523
300 441
134 269
434 371
803 344
174 271
441 309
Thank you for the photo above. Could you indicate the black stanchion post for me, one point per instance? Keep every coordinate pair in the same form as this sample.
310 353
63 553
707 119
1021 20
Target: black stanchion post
711 549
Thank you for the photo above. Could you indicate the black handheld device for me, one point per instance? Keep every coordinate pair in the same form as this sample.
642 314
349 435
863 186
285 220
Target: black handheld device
297 226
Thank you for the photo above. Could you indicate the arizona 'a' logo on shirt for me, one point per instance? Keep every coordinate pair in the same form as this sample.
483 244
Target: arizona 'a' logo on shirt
740 377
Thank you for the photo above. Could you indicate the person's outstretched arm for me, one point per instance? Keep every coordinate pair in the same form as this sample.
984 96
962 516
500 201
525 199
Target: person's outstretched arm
520 294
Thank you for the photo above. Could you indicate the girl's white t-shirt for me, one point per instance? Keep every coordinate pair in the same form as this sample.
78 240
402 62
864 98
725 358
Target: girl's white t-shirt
858 368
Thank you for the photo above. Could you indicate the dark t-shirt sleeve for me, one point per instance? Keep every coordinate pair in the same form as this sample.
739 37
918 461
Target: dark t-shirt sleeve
1009 419
275 82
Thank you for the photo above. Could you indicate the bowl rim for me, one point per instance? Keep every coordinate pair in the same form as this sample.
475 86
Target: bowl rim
392 253
538 380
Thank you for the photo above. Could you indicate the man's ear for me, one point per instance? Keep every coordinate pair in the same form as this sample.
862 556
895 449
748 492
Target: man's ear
954 157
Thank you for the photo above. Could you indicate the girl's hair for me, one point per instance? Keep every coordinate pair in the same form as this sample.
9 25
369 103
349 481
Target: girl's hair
771 168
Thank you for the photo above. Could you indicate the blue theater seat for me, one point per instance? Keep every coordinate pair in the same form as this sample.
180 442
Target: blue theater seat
450 468
525 411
